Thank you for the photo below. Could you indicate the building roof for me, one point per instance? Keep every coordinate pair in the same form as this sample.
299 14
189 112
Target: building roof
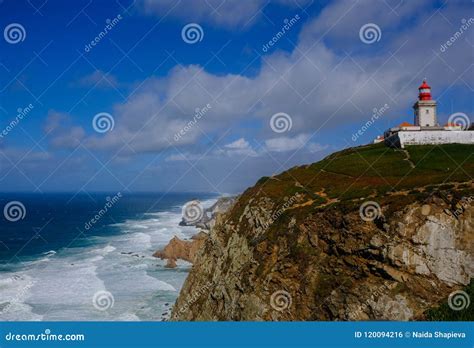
424 85
406 124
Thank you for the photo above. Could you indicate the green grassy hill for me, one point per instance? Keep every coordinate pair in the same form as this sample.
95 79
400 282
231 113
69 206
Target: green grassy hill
376 170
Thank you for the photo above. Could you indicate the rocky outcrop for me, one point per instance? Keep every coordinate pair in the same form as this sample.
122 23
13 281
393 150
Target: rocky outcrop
186 250
329 265
206 222
181 249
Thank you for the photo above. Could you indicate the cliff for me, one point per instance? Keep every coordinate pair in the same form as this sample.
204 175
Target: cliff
206 222
367 233
186 249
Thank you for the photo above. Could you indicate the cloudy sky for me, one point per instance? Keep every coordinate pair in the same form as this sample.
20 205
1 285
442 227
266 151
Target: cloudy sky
211 95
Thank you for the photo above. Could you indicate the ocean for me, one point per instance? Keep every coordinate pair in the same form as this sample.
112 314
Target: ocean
89 256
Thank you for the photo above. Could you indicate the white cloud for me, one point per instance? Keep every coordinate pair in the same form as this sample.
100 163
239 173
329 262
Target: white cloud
283 144
238 144
315 147
300 142
224 13
61 132
240 147
341 78
328 83
320 87
184 156
27 156
98 79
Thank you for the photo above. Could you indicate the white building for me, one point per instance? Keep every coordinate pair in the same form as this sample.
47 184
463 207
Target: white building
426 130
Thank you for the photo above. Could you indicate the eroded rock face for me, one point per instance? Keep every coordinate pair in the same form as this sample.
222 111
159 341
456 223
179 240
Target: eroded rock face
328 264
181 249
437 246
207 221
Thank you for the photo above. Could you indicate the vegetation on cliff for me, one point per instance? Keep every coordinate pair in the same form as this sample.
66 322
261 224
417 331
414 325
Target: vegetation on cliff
445 313
302 246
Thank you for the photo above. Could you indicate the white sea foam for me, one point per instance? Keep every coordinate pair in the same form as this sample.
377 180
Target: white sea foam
49 253
14 289
61 285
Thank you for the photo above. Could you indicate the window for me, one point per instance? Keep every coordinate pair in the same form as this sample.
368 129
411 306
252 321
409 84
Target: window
427 111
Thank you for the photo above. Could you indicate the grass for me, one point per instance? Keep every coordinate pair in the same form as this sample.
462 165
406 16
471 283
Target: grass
375 170
445 313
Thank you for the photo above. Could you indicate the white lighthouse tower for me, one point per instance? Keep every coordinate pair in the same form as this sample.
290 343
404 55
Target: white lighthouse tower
426 130
425 107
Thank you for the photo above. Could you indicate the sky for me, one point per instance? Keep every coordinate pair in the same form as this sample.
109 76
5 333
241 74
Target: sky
209 96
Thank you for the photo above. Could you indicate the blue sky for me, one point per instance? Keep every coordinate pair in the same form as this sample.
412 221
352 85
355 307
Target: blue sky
319 74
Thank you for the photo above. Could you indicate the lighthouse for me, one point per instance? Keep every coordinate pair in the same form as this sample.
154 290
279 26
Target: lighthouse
426 130
425 107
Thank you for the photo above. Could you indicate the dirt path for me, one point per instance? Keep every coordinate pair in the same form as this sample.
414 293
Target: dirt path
408 159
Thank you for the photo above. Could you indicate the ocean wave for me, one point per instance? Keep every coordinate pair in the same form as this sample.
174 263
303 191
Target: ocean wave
15 288
61 285
49 253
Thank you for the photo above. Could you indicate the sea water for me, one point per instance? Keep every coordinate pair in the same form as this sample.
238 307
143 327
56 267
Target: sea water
53 264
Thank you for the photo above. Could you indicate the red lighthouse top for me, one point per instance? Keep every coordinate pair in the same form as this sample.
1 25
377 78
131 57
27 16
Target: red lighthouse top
424 91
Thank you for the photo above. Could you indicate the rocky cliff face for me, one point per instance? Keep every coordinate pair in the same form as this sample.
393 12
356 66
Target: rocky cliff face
297 254
206 222
181 249
186 249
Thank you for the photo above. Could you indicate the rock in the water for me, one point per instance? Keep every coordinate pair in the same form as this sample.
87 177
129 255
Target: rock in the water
181 249
171 263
